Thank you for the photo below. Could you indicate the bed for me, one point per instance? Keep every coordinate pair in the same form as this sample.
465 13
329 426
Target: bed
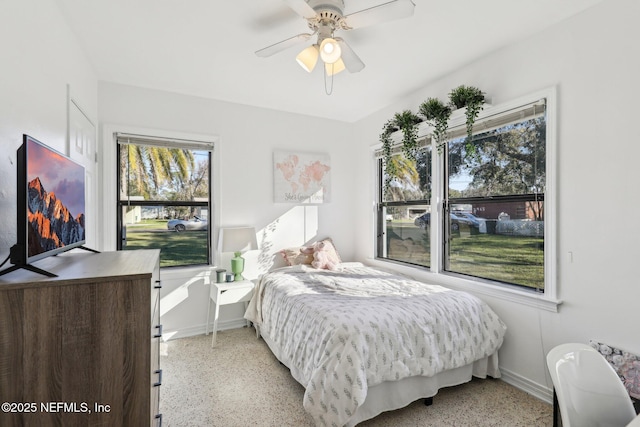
363 341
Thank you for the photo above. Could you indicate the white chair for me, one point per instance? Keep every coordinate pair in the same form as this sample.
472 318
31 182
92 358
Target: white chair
589 392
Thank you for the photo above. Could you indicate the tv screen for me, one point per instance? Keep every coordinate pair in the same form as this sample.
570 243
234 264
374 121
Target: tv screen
54 210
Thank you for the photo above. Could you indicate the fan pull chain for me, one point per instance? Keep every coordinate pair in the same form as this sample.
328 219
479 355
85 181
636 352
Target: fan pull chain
327 90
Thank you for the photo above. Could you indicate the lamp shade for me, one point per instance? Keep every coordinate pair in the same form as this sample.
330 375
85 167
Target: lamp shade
330 50
237 239
334 68
308 58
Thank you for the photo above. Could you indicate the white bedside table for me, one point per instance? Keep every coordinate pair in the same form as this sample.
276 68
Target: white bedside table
227 293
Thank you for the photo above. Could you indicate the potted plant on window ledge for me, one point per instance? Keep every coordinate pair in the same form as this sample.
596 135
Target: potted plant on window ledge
437 114
472 99
407 122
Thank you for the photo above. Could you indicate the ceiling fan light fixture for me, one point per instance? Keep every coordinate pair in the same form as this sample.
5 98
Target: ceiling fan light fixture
330 50
308 58
335 68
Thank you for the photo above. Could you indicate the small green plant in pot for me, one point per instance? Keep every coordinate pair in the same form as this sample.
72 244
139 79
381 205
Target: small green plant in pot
473 99
436 114
408 122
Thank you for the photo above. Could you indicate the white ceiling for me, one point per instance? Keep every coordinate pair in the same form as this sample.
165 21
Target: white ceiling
206 48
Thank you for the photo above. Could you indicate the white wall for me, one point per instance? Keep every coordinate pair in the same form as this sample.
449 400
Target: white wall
247 138
593 61
39 58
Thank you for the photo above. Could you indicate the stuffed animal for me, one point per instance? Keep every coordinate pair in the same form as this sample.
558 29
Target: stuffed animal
323 256
307 251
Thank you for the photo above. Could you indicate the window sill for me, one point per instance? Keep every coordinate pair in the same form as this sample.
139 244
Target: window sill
178 272
528 298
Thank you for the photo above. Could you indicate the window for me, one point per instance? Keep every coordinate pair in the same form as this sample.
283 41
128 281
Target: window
495 201
163 198
475 210
404 211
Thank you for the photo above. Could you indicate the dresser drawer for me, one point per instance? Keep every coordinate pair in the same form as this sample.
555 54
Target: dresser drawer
156 338
156 379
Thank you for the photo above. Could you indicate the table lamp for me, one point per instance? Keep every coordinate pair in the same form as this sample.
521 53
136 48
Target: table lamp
237 240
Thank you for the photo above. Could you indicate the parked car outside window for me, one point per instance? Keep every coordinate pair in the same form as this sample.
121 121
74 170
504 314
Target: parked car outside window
475 221
180 225
456 220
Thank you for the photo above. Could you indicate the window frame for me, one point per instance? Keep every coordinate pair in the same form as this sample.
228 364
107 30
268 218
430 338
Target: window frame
546 300
168 142
381 205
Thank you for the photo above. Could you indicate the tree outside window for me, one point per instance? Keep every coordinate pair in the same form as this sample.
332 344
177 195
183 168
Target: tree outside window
492 219
495 200
405 201
163 202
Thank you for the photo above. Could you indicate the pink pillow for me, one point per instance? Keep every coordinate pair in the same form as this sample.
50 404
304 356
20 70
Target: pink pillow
297 255
304 254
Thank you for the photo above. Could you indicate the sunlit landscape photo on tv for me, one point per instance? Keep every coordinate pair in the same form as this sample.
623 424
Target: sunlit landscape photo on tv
55 201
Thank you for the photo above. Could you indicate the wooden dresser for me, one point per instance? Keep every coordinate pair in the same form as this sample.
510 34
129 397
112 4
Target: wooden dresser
82 349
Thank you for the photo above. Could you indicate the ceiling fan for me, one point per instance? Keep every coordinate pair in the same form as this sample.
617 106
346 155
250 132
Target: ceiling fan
324 18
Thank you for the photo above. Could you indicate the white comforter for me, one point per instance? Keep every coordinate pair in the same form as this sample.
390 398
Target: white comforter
343 331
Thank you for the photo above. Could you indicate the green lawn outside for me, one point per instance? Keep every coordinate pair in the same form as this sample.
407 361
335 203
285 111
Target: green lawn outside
510 259
149 224
187 248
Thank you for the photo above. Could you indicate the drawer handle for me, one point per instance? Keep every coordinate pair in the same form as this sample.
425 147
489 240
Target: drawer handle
159 418
158 285
159 334
159 383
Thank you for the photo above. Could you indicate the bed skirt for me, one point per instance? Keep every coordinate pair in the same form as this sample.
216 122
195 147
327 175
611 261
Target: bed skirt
391 395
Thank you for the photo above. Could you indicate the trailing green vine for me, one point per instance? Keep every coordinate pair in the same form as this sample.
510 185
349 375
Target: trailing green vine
387 146
473 99
436 114
408 122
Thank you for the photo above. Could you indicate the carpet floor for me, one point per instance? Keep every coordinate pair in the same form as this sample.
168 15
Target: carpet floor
240 383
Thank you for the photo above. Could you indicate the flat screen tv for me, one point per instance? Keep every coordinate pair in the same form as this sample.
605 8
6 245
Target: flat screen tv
50 205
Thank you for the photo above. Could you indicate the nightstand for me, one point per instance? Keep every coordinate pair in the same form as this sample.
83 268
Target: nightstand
227 293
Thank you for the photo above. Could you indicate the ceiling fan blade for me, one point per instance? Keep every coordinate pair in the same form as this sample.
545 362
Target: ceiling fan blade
352 62
302 8
284 44
389 11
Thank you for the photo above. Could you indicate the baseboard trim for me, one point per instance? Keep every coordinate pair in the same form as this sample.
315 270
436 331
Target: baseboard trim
540 391
192 331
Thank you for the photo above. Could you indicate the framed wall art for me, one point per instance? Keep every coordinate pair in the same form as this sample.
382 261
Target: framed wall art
301 177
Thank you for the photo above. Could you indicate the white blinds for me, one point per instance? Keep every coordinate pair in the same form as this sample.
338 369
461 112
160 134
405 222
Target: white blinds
501 119
127 138
396 148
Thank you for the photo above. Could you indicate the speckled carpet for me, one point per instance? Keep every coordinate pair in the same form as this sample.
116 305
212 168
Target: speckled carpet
239 383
